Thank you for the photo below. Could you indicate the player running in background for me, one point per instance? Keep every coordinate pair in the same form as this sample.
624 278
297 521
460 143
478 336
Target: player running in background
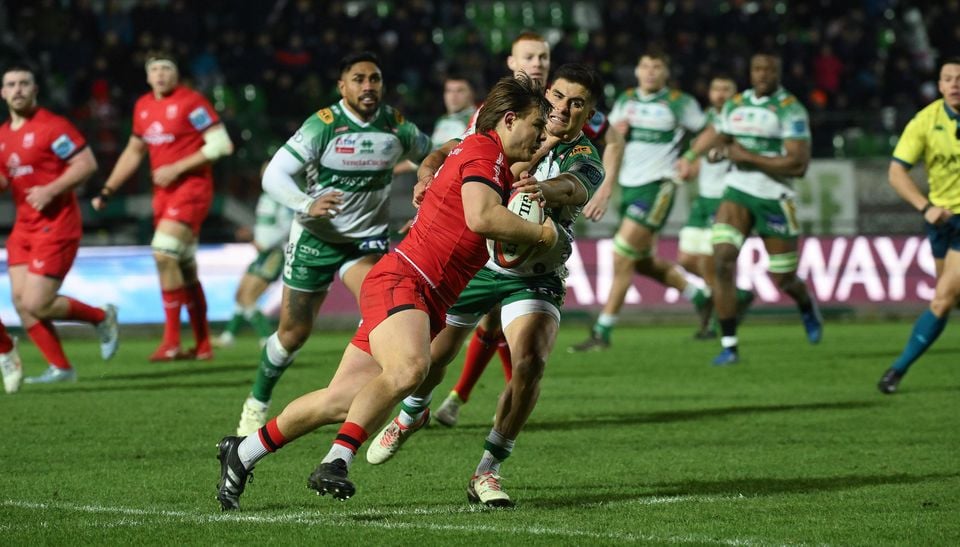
406 294
10 365
933 137
695 252
43 158
270 233
347 152
183 136
655 120
765 133
531 294
460 102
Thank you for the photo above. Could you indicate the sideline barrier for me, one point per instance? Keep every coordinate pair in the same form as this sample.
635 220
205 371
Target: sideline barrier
846 271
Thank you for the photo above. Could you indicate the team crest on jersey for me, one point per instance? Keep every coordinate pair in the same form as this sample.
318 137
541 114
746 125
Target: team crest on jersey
172 110
325 115
143 114
28 140
200 119
63 147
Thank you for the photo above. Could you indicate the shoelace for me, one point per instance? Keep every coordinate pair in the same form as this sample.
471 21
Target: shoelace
491 482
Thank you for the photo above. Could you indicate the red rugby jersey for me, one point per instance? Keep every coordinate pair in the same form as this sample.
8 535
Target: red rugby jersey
439 244
173 127
34 155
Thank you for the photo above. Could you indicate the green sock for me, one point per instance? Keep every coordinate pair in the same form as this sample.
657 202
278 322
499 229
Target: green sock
603 331
274 360
261 325
233 325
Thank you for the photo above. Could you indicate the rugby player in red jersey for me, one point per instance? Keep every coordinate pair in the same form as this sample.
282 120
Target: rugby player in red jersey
183 136
42 159
404 298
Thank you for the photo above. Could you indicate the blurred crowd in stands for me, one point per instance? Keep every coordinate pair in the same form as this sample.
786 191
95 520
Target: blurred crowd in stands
862 67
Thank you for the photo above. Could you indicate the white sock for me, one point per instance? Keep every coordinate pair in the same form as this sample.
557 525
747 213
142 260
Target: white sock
339 452
251 450
412 409
607 320
277 354
489 462
248 313
728 341
690 291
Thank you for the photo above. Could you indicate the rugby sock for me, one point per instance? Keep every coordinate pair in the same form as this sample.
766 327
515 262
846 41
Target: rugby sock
6 343
503 350
925 332
496 448
479 353
172 300
274 360
604 325
260 324
79 311
45 337
233 325
348 441
197 310
266 440
412 409
728 333
690 292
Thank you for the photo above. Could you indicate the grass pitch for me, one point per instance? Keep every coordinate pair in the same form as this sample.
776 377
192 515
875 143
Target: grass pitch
645 443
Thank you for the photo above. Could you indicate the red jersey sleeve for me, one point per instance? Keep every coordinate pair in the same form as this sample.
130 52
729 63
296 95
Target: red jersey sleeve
490 169
200 113
65 139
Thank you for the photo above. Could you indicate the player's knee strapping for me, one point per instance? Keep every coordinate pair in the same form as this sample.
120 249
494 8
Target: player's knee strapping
624 249
725 233
783 263
168 245
695 241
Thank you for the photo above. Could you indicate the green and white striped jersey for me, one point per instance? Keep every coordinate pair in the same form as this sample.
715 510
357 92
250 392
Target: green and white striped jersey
451 126
761 125
657 125
580 158
710 182
342 152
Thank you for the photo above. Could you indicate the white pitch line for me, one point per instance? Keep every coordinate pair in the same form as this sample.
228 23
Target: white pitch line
348 519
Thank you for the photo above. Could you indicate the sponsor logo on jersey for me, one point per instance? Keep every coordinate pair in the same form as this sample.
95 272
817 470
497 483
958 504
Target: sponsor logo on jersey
345 145
172 110
200 119
341 129
325 115
799 126
366 146
154 135
28 140
14 167
580 149
63 147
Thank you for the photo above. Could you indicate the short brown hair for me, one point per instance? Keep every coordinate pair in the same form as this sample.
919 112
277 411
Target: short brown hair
511 94
528 35
656 55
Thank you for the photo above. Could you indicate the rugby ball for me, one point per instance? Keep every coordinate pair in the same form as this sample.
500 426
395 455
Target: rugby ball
511 255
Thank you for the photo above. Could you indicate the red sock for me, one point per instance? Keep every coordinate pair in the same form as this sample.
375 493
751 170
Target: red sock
270 436
45 337
6 343
479 353
172 300
504 351
197 310
79 311
351 435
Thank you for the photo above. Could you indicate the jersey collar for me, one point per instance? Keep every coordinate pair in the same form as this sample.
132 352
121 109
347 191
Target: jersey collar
955 116
761 100
650 96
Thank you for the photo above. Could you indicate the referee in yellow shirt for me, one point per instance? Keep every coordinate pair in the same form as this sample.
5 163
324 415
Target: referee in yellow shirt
933 136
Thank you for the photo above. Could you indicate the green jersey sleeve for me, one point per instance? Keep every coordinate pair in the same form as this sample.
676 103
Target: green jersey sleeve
794 122
583 161
691 116
416 143
309 142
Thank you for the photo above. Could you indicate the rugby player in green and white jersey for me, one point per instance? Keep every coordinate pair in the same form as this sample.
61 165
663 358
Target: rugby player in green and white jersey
696 252
458 99
765 133
531 295
270 233
655 120
347 152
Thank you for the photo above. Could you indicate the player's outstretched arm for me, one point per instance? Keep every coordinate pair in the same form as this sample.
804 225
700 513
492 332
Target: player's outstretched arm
80 167
486 216
216 144
126 166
